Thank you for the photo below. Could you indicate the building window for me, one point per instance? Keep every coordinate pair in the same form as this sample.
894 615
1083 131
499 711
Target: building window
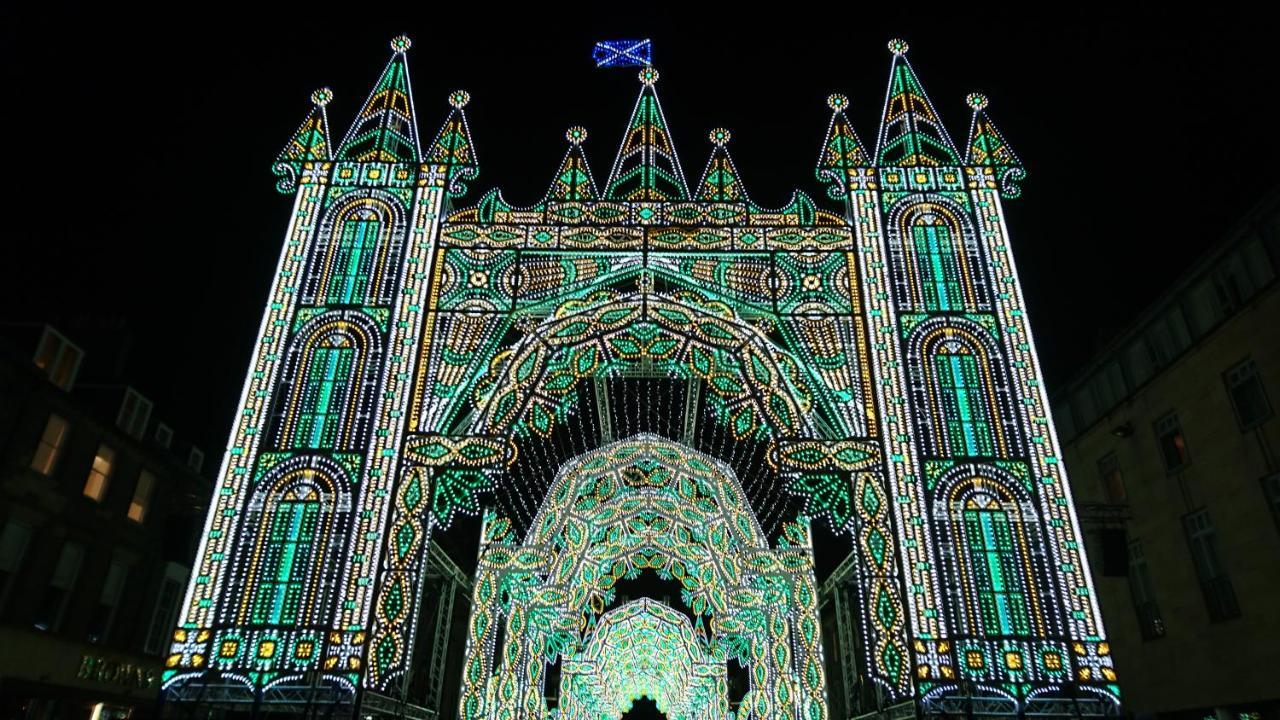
54 603
95 486
1112 479
165 616
1150 621
142 497
1219 595
13 547
51 444
1244 385
59 358
1173 446
109 600
135 413
164 435
195 459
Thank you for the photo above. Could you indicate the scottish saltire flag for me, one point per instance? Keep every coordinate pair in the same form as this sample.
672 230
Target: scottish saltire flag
623 53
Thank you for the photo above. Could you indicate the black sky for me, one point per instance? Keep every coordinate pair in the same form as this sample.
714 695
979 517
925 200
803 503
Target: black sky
140 205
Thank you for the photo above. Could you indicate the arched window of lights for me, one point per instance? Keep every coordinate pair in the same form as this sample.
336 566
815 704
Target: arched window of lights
326 383
990 535
938 262
964 390
295 526
356 245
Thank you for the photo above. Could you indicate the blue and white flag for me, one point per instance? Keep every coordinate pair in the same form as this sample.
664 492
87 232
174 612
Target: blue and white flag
623 53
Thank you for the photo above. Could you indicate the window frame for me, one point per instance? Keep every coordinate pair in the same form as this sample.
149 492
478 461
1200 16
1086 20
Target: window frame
1215 582
148 489
105 484
1161 425
1142 593
1248 366
55 450
1108 464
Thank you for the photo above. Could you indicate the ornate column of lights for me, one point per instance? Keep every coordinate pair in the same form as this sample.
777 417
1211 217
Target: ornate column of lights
847 166
303 166
995 171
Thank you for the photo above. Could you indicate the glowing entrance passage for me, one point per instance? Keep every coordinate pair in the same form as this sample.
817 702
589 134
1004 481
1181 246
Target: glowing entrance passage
643 649
645 504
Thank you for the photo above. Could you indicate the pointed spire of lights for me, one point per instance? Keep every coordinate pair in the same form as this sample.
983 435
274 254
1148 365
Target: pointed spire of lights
987 147
309 143
453 148
720 181
573 181
910 132
385 130
842 151
647 168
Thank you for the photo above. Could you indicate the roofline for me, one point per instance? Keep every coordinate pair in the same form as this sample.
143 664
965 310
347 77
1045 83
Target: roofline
1196 270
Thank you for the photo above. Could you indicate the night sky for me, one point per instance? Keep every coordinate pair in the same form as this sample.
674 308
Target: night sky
141 216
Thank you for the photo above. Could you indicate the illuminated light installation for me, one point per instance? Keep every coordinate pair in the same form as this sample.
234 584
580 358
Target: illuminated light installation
636 505
640 377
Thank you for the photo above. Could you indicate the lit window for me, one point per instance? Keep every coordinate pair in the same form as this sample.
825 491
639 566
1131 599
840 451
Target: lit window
50 447
142 497
1173 446
966 414
1112 479
353 258
1244 384
95 486
58 357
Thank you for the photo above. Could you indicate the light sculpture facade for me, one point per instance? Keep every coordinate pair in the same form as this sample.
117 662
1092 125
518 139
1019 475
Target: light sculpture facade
644 376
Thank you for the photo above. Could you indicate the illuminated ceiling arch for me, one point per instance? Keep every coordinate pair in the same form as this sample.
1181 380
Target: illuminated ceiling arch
643 649
644 504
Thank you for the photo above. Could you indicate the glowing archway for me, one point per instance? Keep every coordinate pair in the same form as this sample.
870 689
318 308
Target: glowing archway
637 505
643 649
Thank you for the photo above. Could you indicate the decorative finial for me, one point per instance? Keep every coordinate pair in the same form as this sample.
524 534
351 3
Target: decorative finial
459 98
648 76
401 43
837 101
977 101
720 137
321 97
576 134
898 46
